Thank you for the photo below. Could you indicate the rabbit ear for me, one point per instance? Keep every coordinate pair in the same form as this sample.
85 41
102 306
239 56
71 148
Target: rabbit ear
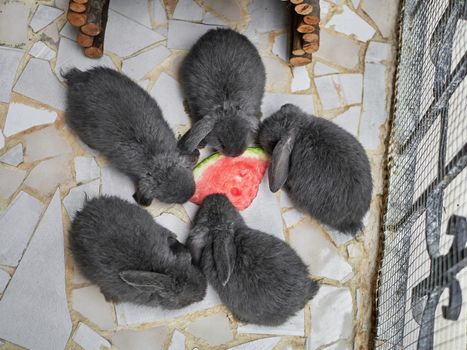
197 133
147 281
196 242
190 159
224 256
279 169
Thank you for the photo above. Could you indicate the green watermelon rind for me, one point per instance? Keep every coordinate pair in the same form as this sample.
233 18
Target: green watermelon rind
251 152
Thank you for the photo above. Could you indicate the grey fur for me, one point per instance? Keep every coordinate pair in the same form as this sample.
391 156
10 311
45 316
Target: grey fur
223 79
115 116
119 247
260 278
323 168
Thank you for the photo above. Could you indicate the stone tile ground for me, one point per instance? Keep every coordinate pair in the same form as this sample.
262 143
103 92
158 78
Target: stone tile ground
45 171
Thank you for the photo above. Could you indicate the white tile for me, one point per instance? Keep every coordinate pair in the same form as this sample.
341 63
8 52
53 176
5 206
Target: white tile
62 4
159 14
323 69
137 67
45 143
292 217
14 156
88 339
384 13
114 183
16 227
35 76
321 257
355 3
21 117
338 237
78 277
11 180
168 94
261 344
277 74
4 279
285 200
272 102
43 16
174 224
350 87
210 18
188 10
214 329
149 339
226 8
191 209
71 55
90 303
14 22
35 299
183 35
266 16
9 62
327 92
279 48
264 214
50 33
340 345
70 32
375 105
331 316
300 80
354 251
41 50
48 174
87 149
126 42
338 49
137 10
132 314
349 120
294 326
86 169
75 199
348 22
378 52
2 140
178 341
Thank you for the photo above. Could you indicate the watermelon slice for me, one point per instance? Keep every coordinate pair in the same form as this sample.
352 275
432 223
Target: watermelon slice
238 178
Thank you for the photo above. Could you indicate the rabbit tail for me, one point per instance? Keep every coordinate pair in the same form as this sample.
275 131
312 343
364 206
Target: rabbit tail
313 288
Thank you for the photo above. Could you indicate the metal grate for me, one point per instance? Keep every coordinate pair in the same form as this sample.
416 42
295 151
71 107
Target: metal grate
422 287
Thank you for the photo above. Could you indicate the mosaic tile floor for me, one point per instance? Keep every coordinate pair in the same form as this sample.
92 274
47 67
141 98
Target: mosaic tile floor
46 172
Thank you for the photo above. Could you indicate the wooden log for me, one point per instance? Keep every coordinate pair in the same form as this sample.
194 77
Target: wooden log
84 40
311 20
311 37
303 9
93 17
310 47
304 28
314 17
76 19
97 48
300 60
298 56
76 7
81 1
296 2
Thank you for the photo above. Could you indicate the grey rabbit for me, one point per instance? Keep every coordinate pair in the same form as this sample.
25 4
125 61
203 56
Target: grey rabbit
223 80
119 247
322 167
259 277
115 116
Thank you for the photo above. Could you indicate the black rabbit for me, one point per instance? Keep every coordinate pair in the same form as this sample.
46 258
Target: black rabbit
115 116
323 168
259 277
119 247
223 80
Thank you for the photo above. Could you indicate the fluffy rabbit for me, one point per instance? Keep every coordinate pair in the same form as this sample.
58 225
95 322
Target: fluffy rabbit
323 168
115 116
223 79
258 277
119 247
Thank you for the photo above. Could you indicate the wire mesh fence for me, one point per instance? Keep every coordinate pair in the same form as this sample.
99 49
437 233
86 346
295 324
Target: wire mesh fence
422 287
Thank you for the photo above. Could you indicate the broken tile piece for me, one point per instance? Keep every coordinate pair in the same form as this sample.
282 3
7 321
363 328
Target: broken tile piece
115 183
16 226
327 92
11 180
35 299
292 217
266 15
294 326
331 316
285 200
261 344
300 80
385 20
323 69
137 67
182 35
43 16
168 94
277 74
74 201
338 237
378 52
62 4
348 22
149 339
4 279
9 62
86 169
178 341
48 174
191 209
214 329
209 18
45 143
137 11
21 117
90 303
2 140
50 34
349 120
188 10
88 339
226 8
279 48
321 257
13 23
126 42
337 49
14 156
174 224
35 76
41 50
159 14
272 102
70 32
350 87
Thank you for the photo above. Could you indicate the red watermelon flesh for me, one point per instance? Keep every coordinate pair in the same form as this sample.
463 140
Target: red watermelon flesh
238 178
